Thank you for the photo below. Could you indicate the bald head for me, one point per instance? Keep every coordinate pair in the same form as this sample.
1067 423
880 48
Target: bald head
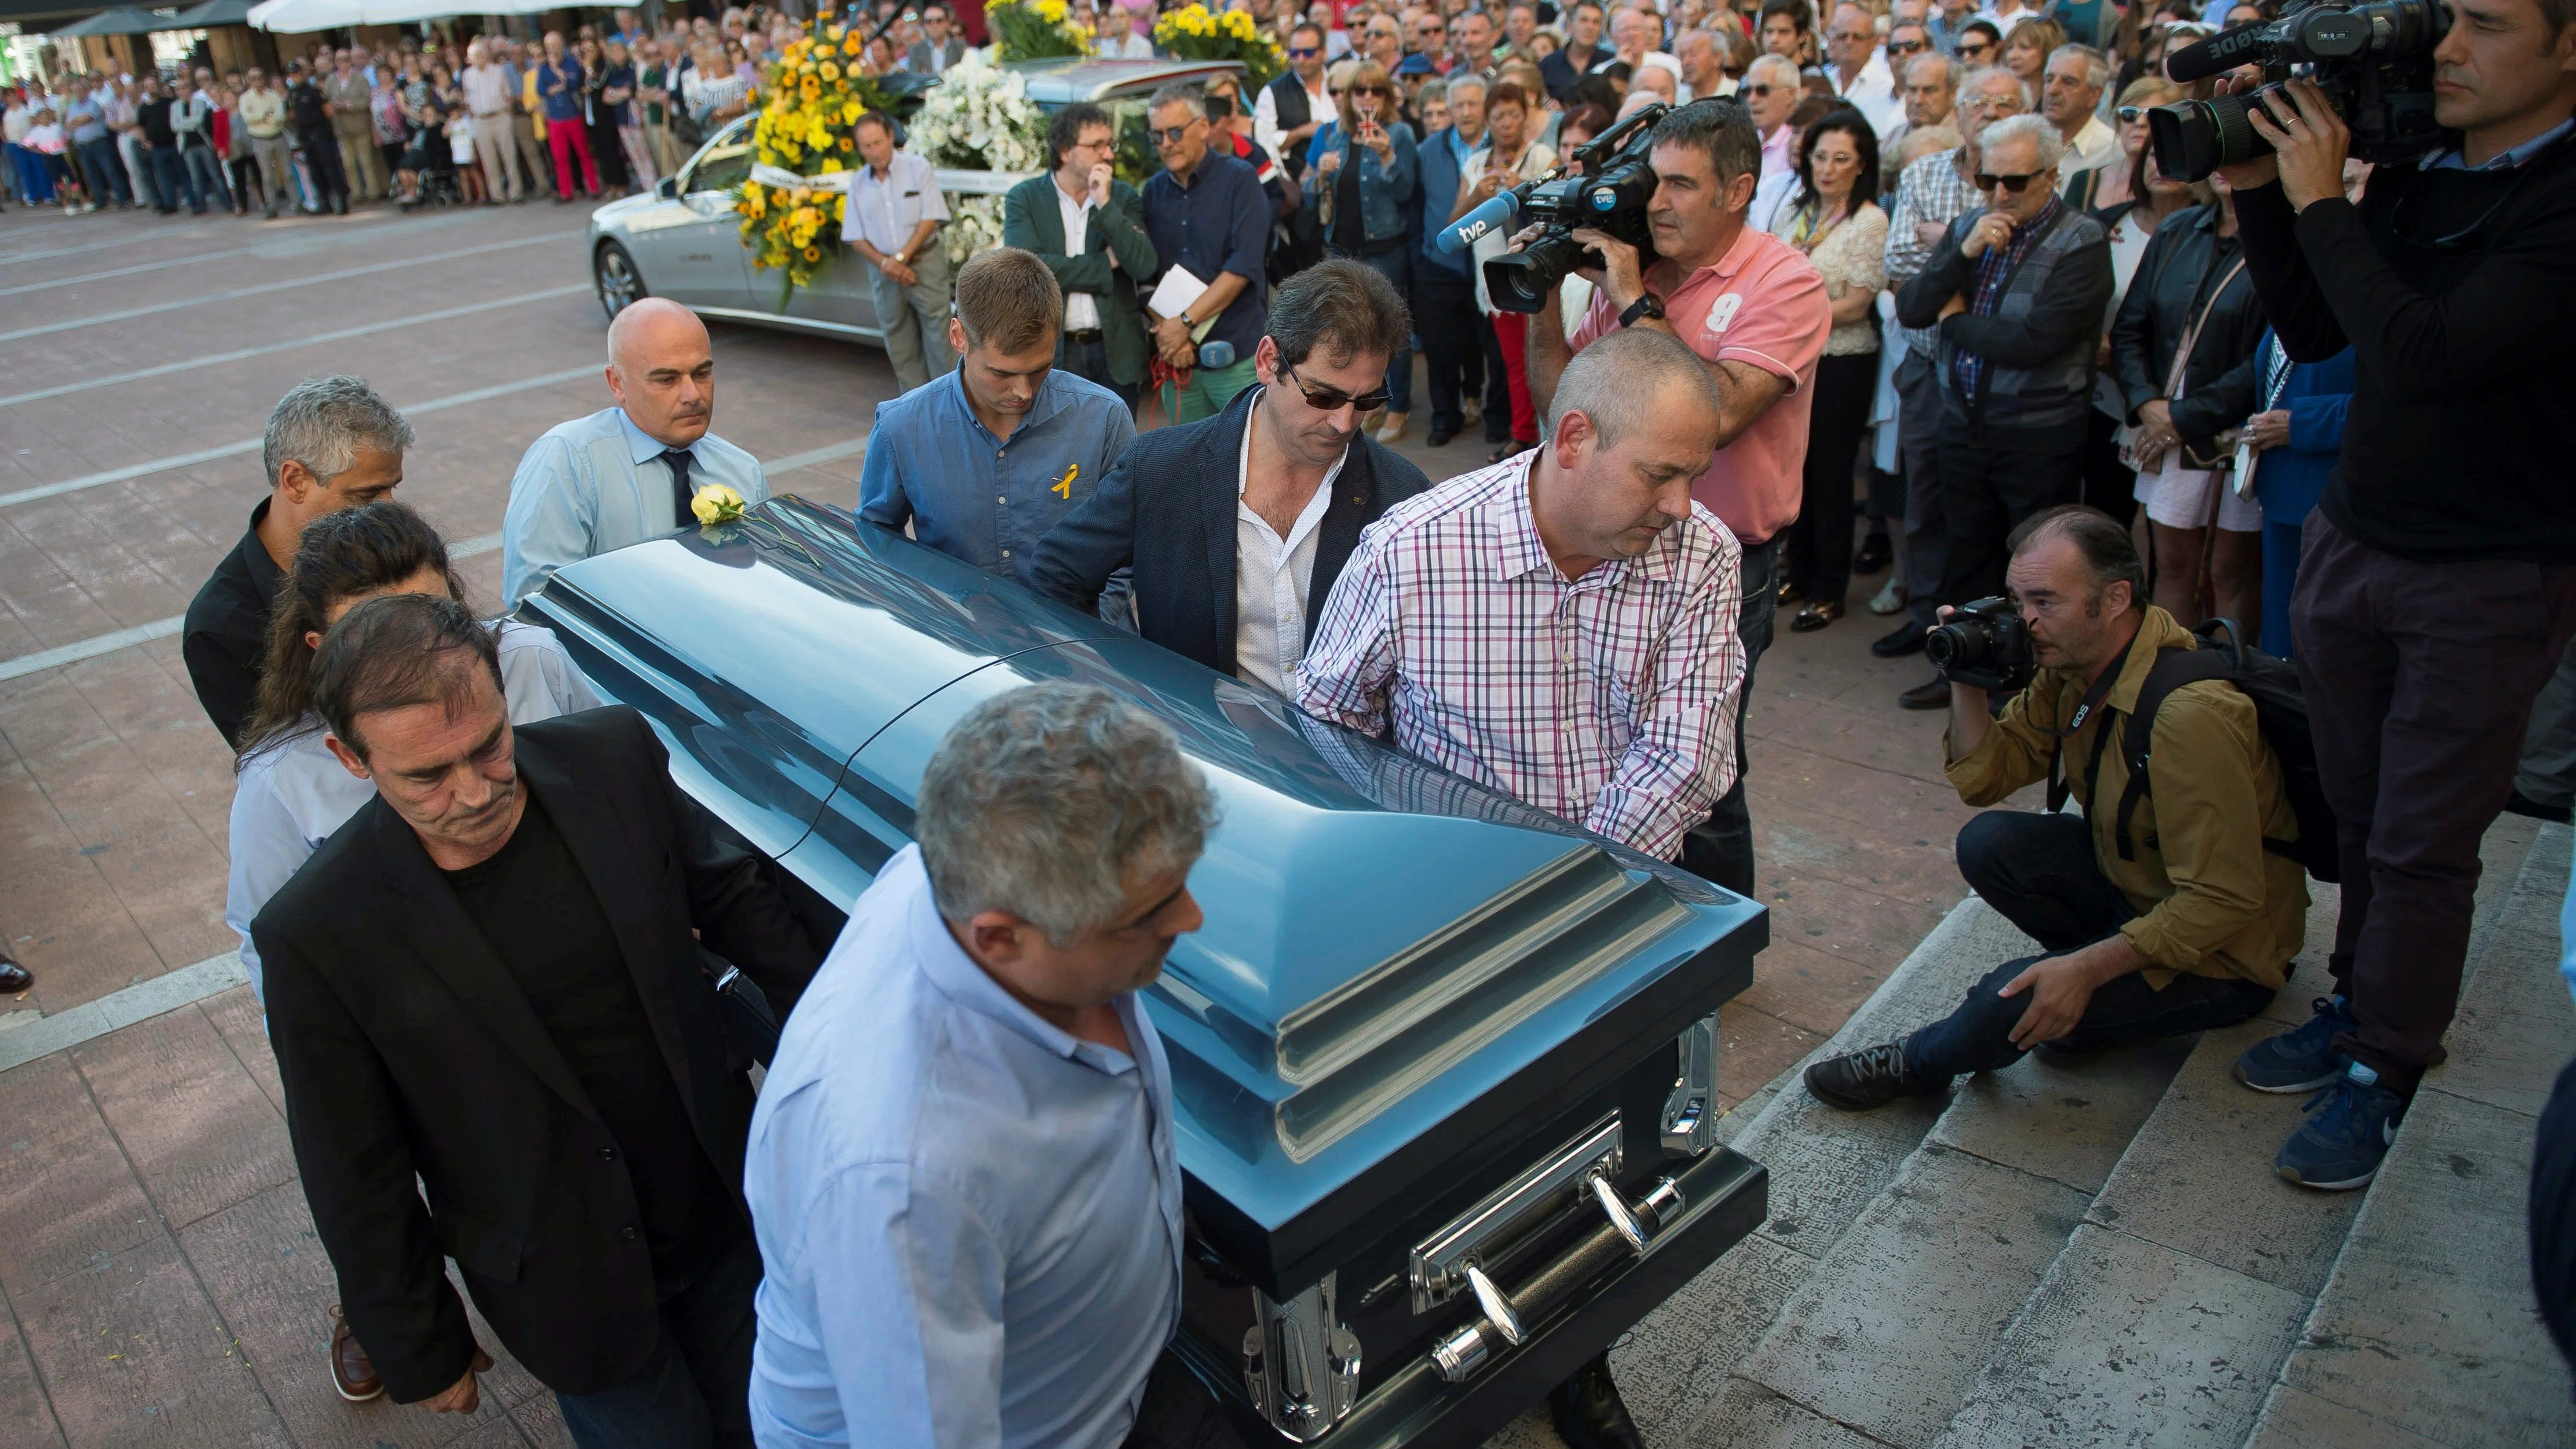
662 371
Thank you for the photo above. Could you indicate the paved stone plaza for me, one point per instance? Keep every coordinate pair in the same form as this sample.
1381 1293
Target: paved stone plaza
163 1283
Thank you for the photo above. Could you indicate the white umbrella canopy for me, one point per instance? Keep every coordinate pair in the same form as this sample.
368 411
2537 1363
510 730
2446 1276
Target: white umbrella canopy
295 16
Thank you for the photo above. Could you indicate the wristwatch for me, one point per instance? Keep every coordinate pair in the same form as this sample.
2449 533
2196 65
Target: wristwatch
1646 305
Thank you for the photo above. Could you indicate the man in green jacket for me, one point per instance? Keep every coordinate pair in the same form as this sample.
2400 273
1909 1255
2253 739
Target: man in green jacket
1090 231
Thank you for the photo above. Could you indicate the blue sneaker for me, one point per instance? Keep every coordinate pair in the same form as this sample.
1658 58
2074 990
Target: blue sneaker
2349 1127
2302 1060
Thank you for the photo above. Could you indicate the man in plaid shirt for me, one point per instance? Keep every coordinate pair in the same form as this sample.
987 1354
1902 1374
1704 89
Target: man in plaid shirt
1560 626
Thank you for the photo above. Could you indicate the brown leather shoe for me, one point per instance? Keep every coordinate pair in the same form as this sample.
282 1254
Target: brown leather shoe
351 1372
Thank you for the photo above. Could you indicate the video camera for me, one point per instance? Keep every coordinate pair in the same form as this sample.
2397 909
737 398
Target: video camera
2374 61
1610 194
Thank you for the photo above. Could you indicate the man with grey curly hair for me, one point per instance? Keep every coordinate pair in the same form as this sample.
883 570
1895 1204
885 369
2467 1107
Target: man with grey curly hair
332 443
961 1169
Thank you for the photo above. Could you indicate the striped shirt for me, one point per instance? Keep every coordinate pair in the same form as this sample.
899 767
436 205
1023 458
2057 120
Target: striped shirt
1607 700
1930 190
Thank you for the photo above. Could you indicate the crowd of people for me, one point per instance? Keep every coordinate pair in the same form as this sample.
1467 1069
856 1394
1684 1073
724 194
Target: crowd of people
1918 267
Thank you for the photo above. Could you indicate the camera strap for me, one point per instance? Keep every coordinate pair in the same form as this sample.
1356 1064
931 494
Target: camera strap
2058 786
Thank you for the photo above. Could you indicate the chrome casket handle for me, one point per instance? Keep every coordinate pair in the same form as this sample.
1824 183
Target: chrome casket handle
1627 1232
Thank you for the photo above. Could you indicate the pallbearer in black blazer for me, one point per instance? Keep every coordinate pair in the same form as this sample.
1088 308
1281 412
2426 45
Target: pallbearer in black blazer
408 1047
1167 509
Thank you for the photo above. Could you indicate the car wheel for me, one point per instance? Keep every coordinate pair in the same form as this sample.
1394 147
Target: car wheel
620 285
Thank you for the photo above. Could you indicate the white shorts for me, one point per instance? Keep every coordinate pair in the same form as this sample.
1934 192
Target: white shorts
2181 497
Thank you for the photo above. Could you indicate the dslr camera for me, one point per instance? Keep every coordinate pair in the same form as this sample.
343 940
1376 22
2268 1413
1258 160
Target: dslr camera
1610 194
2374 61
1984 645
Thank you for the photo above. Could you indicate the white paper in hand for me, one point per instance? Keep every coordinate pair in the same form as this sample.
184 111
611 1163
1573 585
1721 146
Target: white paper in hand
1173 296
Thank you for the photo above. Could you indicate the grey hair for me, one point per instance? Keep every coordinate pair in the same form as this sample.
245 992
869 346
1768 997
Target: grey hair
2097 71
2052 146
1178 93
1979 75
1468 81
1768 62
1045 801
321 422
1949 69
1617 381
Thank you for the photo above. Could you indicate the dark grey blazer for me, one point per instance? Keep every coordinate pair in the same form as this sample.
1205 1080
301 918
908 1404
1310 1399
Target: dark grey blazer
1167 510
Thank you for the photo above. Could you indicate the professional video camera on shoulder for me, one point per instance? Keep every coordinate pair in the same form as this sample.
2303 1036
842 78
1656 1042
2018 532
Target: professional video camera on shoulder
2373 61
1606 184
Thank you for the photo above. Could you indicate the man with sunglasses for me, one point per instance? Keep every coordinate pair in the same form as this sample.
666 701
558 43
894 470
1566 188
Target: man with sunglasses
1932 193
1208 215
1770 92
2015 293
1949 24
1307 478
2437 583
1294 106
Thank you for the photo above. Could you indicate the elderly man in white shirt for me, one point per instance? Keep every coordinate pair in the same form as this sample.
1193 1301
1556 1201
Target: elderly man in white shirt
892 221
489 90
2070 91
1860 74
630 472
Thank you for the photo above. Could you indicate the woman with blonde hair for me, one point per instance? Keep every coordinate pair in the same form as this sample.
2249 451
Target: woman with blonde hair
2115 182
2027 47
1362 174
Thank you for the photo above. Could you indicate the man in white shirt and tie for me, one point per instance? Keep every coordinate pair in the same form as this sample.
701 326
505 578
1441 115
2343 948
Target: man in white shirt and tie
629 472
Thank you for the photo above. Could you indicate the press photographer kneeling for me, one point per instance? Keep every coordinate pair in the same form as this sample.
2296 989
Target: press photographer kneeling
2160 911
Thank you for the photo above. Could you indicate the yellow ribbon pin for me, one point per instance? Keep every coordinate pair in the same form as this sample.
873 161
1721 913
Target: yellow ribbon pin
1064 486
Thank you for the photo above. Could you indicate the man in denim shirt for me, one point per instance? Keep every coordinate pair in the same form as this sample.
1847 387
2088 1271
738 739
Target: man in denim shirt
1006 425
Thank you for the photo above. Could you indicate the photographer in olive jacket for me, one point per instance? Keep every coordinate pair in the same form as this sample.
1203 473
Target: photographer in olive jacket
2182 922
2432 604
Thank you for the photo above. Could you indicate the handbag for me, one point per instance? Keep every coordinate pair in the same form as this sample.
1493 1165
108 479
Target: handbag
2212 456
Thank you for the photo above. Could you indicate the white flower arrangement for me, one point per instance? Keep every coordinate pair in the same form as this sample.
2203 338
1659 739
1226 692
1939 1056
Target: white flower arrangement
980 119
974 225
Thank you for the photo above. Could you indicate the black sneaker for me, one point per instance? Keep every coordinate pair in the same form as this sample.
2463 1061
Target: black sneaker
2520 804
1864 1079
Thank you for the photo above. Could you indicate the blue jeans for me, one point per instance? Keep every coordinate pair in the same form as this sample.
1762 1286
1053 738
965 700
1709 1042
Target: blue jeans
106 171
1721 850
695 1391
205 178
1396 266
2039 872
169 177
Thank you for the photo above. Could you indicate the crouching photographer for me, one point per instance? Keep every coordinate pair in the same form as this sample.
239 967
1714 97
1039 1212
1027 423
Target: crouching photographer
2159 910
2437 587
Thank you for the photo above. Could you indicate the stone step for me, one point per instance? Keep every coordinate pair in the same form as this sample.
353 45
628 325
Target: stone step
2167 1315
1825 1166
2426 1331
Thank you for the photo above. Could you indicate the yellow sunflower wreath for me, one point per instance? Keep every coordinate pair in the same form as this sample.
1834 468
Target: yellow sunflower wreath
1032 30
1195 33
811 101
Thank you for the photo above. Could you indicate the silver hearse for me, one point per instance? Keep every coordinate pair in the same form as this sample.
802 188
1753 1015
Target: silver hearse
683 240
1443 1065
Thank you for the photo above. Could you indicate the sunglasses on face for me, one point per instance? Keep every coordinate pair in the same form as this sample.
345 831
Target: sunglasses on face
1988 181
1304 52
1903 47
1757 90
1380 91
1977 51
1173 135
1333 399
2129 114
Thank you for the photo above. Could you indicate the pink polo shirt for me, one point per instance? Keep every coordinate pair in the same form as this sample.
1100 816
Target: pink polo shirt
1763 303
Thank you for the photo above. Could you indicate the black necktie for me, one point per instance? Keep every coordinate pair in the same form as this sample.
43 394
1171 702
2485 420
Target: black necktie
679 460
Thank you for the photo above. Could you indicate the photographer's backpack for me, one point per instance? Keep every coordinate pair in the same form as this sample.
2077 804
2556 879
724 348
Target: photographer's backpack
2281 711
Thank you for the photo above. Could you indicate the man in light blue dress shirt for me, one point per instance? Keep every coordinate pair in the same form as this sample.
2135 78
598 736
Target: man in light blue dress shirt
961 1168
625 474
986 458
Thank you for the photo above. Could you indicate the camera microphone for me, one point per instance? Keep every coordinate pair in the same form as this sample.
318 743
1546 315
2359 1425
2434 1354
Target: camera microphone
1493 216
2219 54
